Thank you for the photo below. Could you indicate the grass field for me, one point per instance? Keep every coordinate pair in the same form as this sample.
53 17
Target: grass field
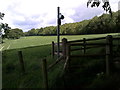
34 49
41 40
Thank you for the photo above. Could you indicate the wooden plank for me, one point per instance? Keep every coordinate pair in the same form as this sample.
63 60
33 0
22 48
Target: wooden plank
87 40
81 44
91 39
88 55
75 41
53 49
77 49
65 65
53 64
84 46
64 43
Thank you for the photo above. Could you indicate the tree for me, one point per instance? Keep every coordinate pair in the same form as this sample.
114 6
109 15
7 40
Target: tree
15 33
106 5
3 28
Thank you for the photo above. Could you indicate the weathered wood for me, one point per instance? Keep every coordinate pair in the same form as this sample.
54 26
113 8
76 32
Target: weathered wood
81 44
64 43
91 39
66 63
77 49
45 74
53 49
68 53
21 61
84 47
75 41
109 55
88 55
87 40
68 49
53 64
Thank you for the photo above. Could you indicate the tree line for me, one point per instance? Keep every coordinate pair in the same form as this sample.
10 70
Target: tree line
97 25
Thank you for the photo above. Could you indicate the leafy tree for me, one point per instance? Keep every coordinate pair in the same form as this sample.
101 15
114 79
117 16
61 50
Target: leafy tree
3 28
97 25
96 3
15 33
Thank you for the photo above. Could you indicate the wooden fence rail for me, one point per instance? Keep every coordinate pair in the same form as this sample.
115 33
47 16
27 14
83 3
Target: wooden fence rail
108 44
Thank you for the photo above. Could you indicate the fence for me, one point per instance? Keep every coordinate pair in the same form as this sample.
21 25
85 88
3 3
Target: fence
66 54
45 68
66 49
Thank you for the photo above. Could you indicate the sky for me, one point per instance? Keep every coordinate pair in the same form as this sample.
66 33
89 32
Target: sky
28 14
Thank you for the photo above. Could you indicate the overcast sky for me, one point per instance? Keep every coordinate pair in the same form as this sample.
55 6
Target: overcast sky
28 14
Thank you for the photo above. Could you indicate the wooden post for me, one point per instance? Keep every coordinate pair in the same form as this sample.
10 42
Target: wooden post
45 75
108 54
64 43
53 49
68 55
84 47
21 61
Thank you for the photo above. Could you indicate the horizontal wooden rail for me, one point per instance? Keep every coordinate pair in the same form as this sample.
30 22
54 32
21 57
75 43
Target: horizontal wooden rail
82 44
95 38
86 40
87 55
82 48
75 41
53 64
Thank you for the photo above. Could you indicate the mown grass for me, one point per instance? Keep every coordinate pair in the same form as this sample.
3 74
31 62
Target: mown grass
44 40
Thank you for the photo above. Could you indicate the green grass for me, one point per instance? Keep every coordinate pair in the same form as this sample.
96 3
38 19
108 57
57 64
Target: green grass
12 75
36 48
43 40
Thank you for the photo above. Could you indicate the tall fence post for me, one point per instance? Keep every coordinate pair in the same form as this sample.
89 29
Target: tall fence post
21 61
84 47
109 56
45 75
64 43
68 55
53 49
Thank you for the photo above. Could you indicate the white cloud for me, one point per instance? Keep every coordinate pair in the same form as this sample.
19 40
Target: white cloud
27 14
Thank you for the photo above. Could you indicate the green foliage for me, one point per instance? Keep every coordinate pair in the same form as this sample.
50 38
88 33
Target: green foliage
97 25
15 33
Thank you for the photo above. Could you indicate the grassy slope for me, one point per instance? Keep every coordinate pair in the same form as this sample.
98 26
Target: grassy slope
42 40
12 77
